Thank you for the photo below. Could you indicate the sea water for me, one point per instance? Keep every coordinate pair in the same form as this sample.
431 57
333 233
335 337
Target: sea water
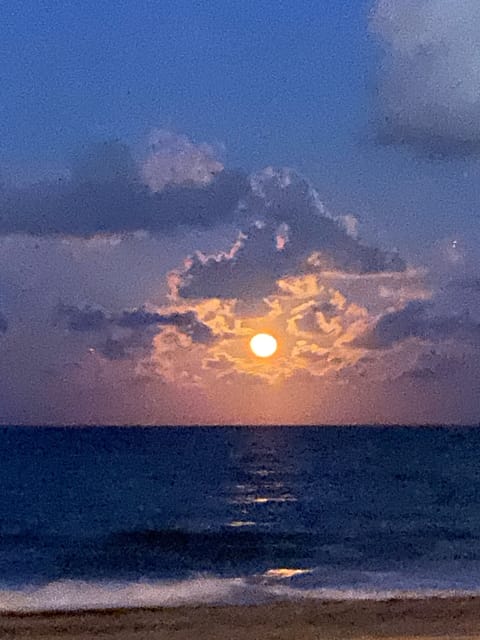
98 517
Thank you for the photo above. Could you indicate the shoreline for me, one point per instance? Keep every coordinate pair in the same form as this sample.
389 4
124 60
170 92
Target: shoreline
433 617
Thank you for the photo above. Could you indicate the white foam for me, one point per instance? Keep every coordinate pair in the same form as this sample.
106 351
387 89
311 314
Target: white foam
67 595
77 594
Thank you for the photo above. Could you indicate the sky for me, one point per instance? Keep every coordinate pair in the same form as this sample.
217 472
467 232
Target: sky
178 176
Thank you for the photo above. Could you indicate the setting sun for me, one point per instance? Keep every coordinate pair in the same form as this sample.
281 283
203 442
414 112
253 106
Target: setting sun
263 345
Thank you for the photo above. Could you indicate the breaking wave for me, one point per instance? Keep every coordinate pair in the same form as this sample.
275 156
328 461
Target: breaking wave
274 585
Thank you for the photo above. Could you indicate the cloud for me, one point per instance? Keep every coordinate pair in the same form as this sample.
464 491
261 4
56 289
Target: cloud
105 162
295 271
434 367
126 334
175 160
86 209
3 324
356 325
105 194
417 320
290 233
83 320
429 84
317 319
186 321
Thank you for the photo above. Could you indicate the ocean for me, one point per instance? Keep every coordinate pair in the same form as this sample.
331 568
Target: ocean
103 516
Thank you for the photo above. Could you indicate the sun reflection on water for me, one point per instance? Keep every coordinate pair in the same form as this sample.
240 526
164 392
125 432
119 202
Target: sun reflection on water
262 485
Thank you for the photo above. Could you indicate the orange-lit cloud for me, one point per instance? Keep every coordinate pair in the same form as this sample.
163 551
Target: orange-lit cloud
318 328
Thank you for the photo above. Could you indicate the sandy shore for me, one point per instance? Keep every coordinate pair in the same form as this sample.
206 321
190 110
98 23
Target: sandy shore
308 620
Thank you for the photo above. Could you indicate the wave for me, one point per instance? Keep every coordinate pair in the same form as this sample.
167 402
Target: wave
168 554
274 585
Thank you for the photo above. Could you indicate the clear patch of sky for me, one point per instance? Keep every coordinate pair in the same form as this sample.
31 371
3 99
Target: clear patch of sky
267 78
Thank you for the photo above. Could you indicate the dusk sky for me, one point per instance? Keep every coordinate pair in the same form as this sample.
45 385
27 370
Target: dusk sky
178 176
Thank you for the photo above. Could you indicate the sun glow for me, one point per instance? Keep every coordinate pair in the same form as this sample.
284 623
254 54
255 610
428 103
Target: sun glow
263 345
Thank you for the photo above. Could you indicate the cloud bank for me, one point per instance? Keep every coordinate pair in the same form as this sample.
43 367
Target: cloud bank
418 320
178 184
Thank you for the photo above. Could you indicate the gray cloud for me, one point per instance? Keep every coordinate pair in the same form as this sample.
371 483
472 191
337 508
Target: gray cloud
81 208
293 234
417 320
187 322
429 86
121 335
434 367
104 193
83 320
104 162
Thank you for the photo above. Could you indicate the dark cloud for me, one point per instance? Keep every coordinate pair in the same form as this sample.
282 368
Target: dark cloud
435 367
417 320
3 324
86 319
391 131
309 320
82 207
139 327
286 198
292 234
138 319
115 349
429 85
106 162
187 322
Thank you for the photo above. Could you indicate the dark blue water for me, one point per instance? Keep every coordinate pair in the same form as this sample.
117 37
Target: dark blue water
357 509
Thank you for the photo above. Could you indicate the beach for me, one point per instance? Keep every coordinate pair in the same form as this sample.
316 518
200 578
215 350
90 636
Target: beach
306 620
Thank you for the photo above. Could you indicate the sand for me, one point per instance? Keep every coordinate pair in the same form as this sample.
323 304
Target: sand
306 620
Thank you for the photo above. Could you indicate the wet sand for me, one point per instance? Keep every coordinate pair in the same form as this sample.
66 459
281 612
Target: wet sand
306 620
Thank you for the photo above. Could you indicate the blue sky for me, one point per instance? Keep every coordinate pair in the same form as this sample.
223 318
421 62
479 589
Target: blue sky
267 78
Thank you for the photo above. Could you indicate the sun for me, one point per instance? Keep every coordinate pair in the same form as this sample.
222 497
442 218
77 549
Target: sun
263 345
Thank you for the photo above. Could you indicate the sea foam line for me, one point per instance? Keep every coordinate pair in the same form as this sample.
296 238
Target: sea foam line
68 595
